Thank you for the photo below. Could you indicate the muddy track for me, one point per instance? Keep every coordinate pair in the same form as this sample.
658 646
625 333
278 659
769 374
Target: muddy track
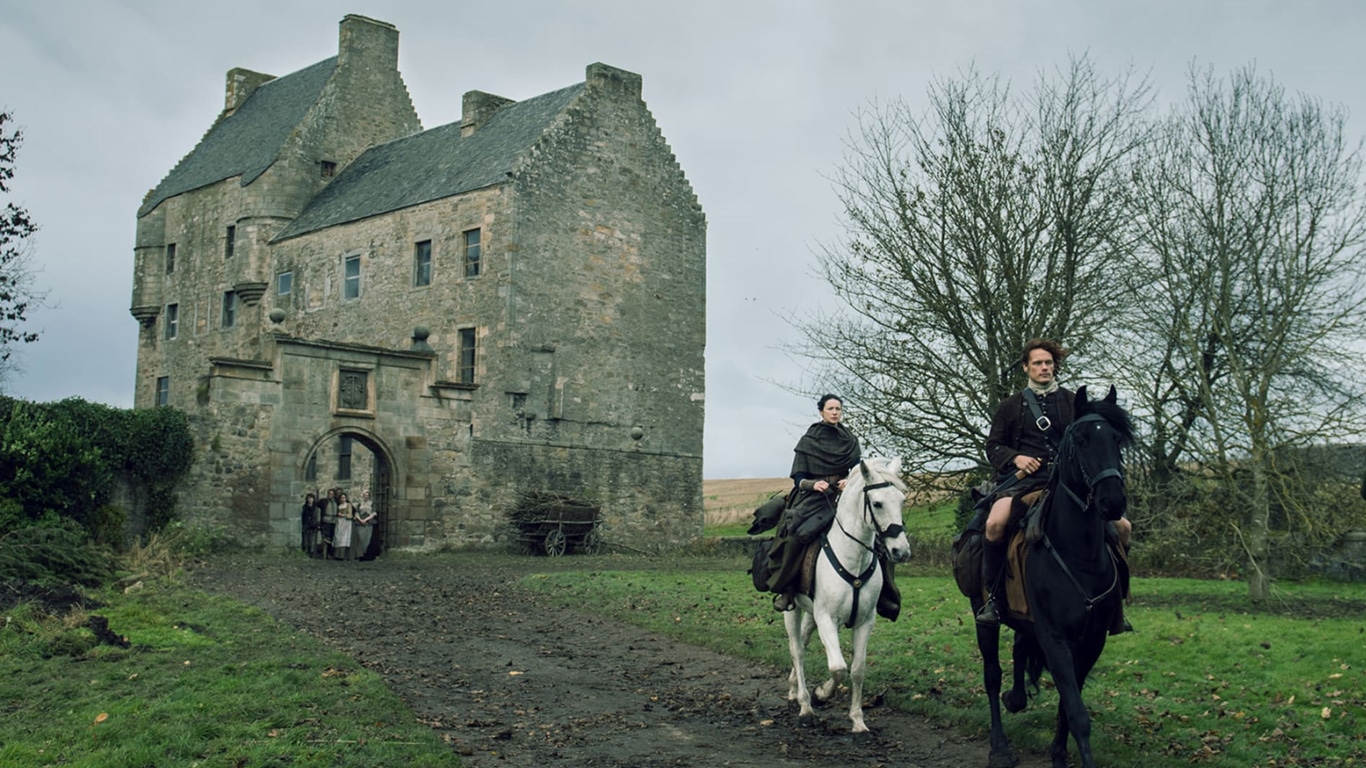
514 678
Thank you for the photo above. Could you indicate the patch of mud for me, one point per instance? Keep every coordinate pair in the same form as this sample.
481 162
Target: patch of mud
513 678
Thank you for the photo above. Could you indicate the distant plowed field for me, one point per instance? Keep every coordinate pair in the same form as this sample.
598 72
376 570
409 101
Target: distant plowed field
733 501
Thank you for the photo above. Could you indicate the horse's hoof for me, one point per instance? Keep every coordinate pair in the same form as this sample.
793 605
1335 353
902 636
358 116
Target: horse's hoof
1015 701
809 721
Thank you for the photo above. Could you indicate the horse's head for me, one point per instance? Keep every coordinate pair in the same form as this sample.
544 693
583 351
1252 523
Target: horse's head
879 483
1092 447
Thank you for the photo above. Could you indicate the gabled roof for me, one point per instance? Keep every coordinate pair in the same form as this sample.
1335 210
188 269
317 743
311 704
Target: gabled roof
432 165
248 141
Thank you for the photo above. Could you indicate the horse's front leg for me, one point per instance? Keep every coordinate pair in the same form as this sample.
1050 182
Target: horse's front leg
834 659
857 669
798 623
1002 754
1072 714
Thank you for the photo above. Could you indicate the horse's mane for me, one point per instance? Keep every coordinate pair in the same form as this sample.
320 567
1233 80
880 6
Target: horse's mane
1114 414
879 467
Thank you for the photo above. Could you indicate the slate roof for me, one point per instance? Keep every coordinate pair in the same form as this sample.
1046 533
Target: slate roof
432 165
247 142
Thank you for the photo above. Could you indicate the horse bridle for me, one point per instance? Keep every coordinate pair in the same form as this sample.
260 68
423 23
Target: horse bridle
891 532
1070 448
1091 482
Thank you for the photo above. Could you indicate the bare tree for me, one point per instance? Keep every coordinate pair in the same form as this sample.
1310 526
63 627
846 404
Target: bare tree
1254 297
991 219
16 277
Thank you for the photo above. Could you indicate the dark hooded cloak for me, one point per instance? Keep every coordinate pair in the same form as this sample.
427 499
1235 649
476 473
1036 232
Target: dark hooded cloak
826 450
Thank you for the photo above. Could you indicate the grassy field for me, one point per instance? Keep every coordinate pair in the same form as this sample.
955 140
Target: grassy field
207 682
1204 681
728 507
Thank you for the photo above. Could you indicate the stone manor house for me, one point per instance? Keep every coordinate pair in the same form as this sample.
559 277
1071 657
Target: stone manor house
508 305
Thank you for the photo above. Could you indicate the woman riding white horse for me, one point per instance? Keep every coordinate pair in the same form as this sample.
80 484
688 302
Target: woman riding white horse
848 581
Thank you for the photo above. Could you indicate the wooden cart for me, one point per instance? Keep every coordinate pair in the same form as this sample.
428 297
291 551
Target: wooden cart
554 524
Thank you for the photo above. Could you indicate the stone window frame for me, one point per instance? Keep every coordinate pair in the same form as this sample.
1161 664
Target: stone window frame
346 259
467 355
368 412
172 321
230 241
170 258
327 168
472 253
227 319
284 283
163 391
419 263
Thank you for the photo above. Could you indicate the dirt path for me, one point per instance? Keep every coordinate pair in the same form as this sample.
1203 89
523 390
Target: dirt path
512 678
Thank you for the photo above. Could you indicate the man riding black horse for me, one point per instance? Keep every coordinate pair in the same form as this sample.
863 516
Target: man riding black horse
1020 447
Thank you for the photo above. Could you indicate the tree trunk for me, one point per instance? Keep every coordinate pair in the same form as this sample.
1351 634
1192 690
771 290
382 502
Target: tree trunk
1259 517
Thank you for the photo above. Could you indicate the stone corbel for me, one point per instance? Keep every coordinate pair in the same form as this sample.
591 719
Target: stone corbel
250 293
147 316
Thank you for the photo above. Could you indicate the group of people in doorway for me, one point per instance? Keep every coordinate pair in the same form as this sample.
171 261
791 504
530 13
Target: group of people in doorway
334 528
1019 447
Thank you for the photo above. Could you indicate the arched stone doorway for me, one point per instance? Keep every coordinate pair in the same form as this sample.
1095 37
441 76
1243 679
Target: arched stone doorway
356 460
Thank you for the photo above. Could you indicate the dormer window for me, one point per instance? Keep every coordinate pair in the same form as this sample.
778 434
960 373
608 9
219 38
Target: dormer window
327 168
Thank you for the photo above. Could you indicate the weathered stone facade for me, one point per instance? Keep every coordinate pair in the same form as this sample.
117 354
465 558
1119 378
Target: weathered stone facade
511 303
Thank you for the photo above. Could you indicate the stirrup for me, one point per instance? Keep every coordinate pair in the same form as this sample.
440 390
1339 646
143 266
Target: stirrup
988 614
783 602
1121 627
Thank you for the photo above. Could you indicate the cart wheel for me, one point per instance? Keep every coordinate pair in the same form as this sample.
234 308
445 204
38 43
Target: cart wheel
592 542
555 543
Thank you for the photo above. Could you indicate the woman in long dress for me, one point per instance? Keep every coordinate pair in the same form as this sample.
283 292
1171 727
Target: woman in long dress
341 540
363 528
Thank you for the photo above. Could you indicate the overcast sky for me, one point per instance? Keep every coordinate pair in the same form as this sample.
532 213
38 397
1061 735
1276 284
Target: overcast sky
755 98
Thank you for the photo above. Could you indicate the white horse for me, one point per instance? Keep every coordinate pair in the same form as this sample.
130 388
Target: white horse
848 581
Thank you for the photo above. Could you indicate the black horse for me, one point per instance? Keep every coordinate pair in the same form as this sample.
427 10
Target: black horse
1072 581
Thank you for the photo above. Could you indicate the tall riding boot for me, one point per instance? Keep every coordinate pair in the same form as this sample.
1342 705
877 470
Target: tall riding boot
889 599
993 569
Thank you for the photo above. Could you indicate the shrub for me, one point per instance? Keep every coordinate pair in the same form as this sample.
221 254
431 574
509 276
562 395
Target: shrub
54 554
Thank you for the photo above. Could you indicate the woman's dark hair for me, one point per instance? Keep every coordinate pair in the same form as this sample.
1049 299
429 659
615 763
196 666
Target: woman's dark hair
820 404
309 496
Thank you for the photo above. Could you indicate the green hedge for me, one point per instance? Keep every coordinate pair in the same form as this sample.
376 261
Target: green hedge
59 462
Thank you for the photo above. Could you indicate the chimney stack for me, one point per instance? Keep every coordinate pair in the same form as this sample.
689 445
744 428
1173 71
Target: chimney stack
369 43
476 108
605 76
242 83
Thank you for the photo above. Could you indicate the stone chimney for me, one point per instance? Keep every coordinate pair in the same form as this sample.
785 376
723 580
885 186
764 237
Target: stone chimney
476 108
367 43
604 77
242 83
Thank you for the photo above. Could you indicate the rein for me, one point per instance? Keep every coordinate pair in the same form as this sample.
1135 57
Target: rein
857 582
1091 482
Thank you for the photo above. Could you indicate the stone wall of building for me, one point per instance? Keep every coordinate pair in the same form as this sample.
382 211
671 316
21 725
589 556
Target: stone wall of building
588 312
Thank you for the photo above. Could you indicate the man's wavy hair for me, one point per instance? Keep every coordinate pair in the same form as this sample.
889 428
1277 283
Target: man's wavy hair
1048 345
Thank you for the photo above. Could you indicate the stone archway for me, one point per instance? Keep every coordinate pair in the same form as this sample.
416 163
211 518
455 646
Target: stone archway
356 460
